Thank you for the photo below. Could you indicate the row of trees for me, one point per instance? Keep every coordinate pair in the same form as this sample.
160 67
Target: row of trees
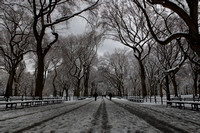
121 71
68 67
142 24
71 63
29 26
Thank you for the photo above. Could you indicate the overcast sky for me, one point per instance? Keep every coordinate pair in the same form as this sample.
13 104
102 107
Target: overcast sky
77 26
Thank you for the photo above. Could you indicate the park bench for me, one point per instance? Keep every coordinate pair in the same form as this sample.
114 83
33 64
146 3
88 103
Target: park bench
28 103
11 105
52 101
81 98
181 104
186 99
135 99
15 104
2 98
195 105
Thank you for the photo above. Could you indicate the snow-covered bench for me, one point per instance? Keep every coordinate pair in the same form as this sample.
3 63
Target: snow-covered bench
186 99
135 99
8 104
181 104
28 103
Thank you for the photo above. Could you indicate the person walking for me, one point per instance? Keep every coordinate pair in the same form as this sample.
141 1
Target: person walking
95 96
110 95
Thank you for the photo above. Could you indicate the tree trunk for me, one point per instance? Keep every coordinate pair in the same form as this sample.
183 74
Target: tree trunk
161 92
175 85
194 33
92 88
16 84
77 90
199 87
53 83
195 79
122 88
142 77
86 89
16 89
32 89
40 76
167 87
9 88
86 82
119 90
66 91
54 90
199 92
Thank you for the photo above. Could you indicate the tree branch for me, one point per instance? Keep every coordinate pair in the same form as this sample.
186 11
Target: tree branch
71 16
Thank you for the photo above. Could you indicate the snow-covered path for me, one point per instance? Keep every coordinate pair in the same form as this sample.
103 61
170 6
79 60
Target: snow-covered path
166 119
101 116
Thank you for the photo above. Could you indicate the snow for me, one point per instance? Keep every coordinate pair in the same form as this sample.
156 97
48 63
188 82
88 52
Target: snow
103 115
122 121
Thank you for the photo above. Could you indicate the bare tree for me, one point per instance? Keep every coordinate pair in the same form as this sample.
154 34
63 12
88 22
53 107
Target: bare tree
170 57
92 41
185 10
152 70
3 82
63 80
80 54
45 17
115 71
25 84
195 72
127 25
18 77
15 41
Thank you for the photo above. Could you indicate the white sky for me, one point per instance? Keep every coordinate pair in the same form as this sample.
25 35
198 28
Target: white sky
78 26
109 46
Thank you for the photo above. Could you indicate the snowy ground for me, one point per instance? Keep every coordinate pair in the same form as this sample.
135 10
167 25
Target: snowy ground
101 116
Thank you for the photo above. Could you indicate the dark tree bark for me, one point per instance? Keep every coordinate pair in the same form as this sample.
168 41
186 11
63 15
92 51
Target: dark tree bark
53 83
77 90
195 84
86 81
15 39
128 27
190 18
167 87
40 76
173 79
42 14
9 90
142 77
93 88
195 74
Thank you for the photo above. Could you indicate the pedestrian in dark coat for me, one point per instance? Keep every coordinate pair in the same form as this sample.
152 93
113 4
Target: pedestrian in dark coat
110 95
95 96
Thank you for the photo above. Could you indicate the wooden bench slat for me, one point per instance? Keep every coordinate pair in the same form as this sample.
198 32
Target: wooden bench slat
180 104
14 104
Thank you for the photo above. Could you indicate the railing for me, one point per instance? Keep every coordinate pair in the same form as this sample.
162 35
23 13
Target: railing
186 99
22 98
182 104
135 98
17 102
